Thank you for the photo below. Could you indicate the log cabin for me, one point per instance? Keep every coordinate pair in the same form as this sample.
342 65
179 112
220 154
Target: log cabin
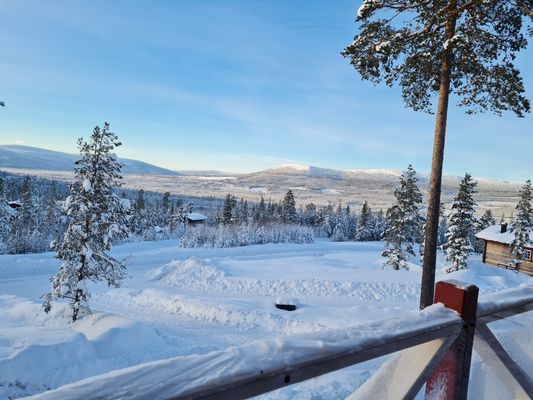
496 248
195 218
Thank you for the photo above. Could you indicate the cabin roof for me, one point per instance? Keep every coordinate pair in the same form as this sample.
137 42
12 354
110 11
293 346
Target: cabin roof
194 216
493 234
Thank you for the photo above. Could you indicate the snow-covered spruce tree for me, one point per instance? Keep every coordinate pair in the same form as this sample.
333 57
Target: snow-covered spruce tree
403 221
365 223
288 208
96 216
522 226
5 217
463 47
443 225
259 214
23 227
486 220
378 225
230 203
461 224
340 231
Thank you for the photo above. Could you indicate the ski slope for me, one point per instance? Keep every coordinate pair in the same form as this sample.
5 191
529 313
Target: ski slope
187 302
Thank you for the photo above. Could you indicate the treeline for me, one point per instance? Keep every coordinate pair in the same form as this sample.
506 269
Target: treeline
33 215
39 220
239 223
336 222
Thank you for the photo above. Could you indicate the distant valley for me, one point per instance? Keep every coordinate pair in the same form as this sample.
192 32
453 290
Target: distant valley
309 184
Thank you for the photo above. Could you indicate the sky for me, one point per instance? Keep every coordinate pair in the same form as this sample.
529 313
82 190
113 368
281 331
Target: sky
229 85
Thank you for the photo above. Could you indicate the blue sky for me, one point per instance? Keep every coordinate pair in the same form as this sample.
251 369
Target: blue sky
228 85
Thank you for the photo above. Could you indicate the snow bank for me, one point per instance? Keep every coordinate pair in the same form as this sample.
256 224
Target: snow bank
181 375
40 351
245 315
198 276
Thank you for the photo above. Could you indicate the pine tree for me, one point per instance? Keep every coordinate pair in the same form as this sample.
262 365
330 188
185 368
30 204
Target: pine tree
165 202
288 208
96 216
364 224
23 226
443 225
461 225
522 226
230 203
486 220
403 221
51 215
340 230
259 215
5 217
456 46
379 225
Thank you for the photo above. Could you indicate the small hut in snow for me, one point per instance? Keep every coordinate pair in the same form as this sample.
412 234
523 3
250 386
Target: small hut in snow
496 248
195 218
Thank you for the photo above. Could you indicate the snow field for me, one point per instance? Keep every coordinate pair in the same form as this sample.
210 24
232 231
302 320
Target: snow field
189 302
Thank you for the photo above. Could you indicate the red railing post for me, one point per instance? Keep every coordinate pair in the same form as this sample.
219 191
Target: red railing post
449 380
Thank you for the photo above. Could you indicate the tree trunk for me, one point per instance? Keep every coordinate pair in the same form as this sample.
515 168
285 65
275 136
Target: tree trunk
432 223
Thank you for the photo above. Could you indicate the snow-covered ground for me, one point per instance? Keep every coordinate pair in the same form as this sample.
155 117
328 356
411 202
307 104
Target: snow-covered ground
193 301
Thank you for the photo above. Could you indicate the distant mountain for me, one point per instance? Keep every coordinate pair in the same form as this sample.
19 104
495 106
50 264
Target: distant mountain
207 172
26 157
309 184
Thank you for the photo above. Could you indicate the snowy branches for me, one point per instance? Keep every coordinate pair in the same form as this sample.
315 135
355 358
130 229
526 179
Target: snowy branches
95 217
462 222
406 42
403 222
244 235
522 226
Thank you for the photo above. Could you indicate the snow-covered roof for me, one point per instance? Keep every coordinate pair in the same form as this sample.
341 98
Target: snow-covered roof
196 216
493 233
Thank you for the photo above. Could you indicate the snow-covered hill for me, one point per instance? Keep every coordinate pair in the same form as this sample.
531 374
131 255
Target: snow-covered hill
26 157
309 183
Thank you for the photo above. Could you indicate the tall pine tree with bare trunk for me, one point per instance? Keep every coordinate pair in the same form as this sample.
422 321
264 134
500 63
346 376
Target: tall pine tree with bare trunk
437 48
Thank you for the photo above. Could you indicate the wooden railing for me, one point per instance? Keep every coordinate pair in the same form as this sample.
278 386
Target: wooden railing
432 346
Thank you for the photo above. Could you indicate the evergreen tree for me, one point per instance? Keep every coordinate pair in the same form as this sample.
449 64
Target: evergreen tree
96 216
522 226
443 225
288 208
462 222
52 215
5 217
378 225
259 215
139 201
457 46
486 220
165 202
329 221
228 210
364 224
311 216
340 230
23 226
403 221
